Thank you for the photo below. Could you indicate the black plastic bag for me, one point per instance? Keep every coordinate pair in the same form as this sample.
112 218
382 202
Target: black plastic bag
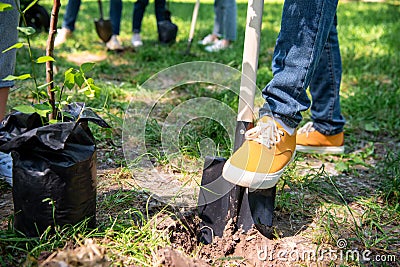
167 30
54 170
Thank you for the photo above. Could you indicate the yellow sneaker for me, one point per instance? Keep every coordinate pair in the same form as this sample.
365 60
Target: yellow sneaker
310 140
263 157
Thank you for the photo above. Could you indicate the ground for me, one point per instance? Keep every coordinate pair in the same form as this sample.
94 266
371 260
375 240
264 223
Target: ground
300 236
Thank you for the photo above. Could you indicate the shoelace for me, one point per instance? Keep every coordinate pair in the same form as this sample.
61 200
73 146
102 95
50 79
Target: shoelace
307 128
265 133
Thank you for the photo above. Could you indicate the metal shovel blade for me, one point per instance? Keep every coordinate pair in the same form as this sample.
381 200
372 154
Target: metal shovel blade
220 201
103 27
213 202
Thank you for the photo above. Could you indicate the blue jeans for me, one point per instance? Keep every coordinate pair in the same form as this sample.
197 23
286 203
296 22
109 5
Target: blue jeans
225 19
9 36
306 55
71 14
139 9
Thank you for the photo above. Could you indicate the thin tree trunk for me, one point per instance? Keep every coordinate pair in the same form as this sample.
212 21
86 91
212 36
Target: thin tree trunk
49 52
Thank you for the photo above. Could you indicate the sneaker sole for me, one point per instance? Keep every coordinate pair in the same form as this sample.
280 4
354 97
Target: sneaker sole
320 149
252 180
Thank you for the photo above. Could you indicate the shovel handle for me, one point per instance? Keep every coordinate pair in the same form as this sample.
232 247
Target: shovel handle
101 9
250 60
247 93
194 20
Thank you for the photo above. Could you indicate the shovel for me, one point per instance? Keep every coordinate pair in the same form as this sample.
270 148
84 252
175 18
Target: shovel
192 26
103 27
221 205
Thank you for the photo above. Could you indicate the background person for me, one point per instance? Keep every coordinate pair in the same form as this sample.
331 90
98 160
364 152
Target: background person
224 31
9 21
71 14
139 9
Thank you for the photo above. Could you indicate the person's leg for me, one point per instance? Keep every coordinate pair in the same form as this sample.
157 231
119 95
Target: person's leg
159 9
325 87
9 22
218 18
224 25
71 14
304 31
213 37
229 11
324 134
212 40
3 101
271 145
115 15
68 23
138 13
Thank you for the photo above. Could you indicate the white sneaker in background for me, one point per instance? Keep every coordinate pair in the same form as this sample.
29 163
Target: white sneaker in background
62 35
209 40
136 40
217 46
6 167
114 44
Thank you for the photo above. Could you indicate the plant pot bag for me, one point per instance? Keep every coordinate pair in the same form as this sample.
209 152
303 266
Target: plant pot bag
54 171
167 30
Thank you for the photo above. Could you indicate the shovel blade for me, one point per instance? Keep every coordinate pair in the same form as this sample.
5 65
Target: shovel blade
213 201
219 201
257 209
103 29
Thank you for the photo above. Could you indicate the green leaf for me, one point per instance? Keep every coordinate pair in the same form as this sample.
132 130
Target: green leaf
27 30
43 85
86 67
66 114
30 5
87 91
27 109
96 88
69 79
20 77
43 106
90 81
16 46
5 7
43 94
44 59
43 112
79 80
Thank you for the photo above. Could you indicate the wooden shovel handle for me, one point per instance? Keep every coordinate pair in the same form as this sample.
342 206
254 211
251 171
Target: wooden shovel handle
250 60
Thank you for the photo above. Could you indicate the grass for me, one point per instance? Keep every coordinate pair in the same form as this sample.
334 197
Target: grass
354 196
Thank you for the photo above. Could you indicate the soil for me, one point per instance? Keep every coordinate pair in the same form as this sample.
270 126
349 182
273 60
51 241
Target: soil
292 243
